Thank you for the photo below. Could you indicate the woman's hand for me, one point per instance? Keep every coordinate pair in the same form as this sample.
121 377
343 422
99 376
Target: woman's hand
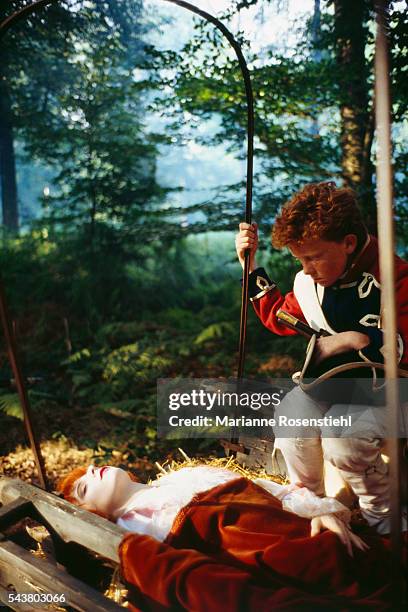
328 346
339 527
247 239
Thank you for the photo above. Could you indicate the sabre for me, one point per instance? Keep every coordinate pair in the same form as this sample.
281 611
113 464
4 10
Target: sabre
302 328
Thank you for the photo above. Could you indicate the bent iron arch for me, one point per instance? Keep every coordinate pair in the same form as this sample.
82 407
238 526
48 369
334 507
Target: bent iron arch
35 6
10 340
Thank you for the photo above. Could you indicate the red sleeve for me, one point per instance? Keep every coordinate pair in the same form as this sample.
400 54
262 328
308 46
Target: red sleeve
402 312
267 306
170 579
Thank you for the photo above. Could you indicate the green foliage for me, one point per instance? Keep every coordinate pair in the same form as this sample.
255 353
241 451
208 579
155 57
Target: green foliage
122 408
185 325
130 365
75 106
214 331
107 159
11 406
299 96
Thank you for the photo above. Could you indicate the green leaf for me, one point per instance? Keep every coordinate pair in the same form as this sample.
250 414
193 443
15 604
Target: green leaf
122 409
216 330
10 405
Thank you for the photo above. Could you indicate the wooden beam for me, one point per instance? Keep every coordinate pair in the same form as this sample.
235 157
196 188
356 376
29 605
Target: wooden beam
69 522
29 574
13 512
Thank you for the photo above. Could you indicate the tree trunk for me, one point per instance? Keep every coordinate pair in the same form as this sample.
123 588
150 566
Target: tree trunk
356 117
7 161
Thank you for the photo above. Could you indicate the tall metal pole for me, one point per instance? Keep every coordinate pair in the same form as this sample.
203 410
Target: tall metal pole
233 444
387 271
21 389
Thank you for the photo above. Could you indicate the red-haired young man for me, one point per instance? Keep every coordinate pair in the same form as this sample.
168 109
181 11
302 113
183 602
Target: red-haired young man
338 290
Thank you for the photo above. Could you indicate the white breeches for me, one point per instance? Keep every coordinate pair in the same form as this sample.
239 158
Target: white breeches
358 458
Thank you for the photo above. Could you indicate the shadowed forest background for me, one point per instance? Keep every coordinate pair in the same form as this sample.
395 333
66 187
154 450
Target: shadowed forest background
122 149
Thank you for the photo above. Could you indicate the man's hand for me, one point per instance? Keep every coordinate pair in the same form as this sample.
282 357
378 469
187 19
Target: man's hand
339 527
328 346
247 239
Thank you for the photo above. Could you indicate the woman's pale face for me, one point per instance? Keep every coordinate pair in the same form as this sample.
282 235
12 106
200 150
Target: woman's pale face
105 489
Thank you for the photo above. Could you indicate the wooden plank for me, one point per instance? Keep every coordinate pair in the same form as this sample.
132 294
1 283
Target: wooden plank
263 444
70 522
20 607
29 574
260 455
13 512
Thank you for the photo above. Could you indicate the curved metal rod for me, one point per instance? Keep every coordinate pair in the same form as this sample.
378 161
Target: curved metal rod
23 13
28 10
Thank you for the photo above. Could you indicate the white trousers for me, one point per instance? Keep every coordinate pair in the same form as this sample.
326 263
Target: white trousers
358 458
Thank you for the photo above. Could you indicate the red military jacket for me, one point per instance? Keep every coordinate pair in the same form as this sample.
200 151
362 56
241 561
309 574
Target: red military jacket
353 303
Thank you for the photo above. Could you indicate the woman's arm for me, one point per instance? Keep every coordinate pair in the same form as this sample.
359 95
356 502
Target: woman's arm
296 498
324 512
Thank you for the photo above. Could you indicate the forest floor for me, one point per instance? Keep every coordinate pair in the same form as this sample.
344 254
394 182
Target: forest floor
83 443
79 422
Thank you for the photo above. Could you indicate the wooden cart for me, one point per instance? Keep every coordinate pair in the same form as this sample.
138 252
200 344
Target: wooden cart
71 530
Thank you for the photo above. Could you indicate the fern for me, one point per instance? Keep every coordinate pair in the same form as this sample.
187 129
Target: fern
123 408
214 331
11 406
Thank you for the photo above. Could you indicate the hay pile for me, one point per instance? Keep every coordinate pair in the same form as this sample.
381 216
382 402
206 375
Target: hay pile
227 463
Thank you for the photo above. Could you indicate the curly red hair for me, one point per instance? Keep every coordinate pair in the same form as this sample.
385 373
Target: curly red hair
319 211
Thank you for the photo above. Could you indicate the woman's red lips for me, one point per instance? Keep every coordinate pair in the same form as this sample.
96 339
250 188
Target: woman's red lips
102 470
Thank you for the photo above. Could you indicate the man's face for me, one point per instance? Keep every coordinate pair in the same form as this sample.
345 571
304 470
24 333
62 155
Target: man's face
324 260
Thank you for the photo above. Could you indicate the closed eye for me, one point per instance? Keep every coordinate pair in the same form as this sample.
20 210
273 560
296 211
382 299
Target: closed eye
81 490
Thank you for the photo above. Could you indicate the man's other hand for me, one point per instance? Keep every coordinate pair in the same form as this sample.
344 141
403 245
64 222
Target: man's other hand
328 346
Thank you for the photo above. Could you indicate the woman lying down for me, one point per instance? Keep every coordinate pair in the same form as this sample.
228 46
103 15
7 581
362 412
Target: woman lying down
204 538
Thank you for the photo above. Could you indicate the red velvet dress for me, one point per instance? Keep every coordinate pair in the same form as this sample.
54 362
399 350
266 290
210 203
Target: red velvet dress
234 548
